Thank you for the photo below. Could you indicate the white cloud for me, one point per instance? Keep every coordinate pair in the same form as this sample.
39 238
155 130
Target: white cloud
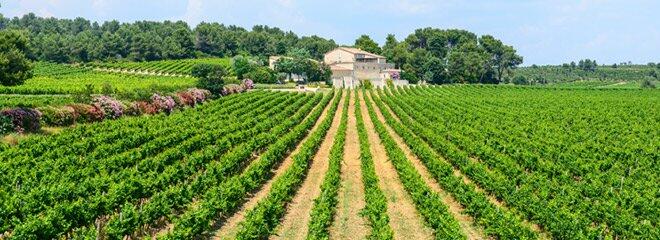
100 7
194 11
39 7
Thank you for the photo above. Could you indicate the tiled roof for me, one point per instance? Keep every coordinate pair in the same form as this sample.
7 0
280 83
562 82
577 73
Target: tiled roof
360 51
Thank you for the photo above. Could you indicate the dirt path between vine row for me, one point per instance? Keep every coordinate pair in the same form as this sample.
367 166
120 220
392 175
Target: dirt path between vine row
295 222
348 224
406 222
229 228
455 208
500 204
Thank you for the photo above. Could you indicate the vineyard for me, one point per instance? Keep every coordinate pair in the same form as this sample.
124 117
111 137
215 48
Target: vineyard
176 67
449 162
76 82
7 101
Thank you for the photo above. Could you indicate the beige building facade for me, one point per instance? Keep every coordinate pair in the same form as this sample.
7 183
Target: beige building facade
351 65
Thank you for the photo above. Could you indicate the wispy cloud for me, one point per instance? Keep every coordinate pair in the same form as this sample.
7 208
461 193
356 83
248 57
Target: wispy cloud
100 7
194 11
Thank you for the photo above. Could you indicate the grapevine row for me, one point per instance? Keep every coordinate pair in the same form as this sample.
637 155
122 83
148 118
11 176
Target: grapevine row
376 203
324 208
265 216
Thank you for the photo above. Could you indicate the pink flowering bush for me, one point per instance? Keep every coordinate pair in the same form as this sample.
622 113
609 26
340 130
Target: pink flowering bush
102 107
248 83
112 108
232 89
200 95
395 75
23 119
163 103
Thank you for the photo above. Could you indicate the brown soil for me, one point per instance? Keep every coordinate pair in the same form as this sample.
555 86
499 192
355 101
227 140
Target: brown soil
455 208
348 224
229 228
404 219
295 222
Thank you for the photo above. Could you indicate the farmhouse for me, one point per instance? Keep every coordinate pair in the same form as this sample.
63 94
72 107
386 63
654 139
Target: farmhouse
351 65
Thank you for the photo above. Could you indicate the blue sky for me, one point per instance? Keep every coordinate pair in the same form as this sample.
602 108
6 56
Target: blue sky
543 32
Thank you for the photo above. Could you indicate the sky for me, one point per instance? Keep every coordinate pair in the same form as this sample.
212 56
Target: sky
543 32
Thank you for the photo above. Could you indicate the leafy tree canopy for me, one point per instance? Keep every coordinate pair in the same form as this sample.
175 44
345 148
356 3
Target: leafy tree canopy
365 43
210 76
15 67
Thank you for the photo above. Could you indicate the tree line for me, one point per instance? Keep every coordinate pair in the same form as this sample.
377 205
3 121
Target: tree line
447 56
431 55
80 40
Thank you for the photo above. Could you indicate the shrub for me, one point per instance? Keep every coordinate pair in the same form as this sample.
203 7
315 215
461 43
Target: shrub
132 109
520 80
200 95
647 83
243 65
185 99
262 75
248 84
88 113
163 103
143 107
58 116
23 119
232 89
112 108
210 76
395 75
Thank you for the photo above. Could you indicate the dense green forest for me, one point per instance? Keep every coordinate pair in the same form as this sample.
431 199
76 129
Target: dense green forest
80 40
429 54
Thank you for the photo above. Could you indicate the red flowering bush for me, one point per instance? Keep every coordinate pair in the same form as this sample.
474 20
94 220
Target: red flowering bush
192 96
186 99
145 107
23 119
88 113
